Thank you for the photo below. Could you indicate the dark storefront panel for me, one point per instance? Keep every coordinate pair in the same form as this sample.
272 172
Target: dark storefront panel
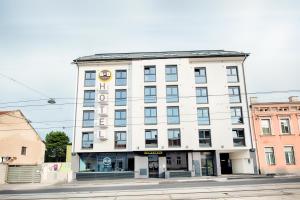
106 162
177 161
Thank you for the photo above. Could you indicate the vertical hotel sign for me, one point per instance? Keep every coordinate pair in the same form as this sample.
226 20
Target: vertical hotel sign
104 77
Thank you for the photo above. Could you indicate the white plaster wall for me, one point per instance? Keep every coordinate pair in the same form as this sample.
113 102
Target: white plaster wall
241 162
3 173
140 162
101 145
219 105
162 162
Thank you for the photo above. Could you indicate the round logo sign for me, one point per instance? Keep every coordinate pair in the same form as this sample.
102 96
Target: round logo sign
105 75
107 161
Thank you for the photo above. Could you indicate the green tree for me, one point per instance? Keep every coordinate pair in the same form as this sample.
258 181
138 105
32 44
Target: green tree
56 146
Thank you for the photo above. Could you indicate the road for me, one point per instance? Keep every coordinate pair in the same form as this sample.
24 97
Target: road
269 188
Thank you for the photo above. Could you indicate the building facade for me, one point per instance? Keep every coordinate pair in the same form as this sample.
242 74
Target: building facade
20 144
157 114
276 126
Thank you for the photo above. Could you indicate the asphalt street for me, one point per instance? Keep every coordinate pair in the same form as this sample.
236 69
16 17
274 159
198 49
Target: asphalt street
162 185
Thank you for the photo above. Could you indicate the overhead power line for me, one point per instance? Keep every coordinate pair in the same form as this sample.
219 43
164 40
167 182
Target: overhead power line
112 125
134 99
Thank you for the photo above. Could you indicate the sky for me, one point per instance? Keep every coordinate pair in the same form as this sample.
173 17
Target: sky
39 39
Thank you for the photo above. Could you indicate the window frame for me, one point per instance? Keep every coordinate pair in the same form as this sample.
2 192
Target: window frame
287 162
171 74
123 100
200 76
120 78
237 78
86 80
171 140
204 138
236 116
238 137
262 128
150 117
120 133
89 102
170 117
268 159
150 74
89 141
198 117
232 88
150 96
153 132
23 151
201 96
169 98
88 119
121 119
289 126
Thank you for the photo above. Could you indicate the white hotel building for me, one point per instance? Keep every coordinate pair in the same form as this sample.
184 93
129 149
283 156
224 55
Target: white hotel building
162 114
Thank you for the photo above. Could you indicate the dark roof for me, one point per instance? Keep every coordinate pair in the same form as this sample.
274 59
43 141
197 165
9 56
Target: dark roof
161 55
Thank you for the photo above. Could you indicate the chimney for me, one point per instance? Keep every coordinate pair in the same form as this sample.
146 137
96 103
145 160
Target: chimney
293 99
253 100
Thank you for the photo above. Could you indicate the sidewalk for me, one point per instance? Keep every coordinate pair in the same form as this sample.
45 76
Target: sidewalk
129 182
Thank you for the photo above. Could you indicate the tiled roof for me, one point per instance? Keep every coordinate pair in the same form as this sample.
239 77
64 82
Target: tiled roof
161 55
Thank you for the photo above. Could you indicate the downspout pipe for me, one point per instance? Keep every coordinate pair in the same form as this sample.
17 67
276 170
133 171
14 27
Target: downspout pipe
249 116
76 103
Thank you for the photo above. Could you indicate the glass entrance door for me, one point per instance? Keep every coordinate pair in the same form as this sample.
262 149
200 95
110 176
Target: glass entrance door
153 166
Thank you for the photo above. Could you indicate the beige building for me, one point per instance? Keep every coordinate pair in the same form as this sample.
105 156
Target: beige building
20 144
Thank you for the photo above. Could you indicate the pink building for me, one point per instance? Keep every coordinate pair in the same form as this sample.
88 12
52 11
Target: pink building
276 127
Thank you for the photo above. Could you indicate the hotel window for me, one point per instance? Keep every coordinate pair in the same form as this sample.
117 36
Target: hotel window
150 94
171 73
169 160
151 138
89 98
89 78
173 115
88 119
172 93
87 140
149 74
234 94
204 138
203 116
289 155
238 137
201 95
178 160
285 126
200 75
121 77
236 115
174 137
265 126
120 139
120 118
120 97
150 115
270 157
232 74
23 151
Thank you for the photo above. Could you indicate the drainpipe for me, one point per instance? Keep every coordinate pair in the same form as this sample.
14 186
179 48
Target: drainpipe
248 112
76 102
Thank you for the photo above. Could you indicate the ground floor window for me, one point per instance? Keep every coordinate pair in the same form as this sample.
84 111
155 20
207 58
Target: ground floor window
106 162
289 155
270 156
177 161
207 163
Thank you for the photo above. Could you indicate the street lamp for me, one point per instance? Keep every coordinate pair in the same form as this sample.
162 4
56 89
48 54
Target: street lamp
51 101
